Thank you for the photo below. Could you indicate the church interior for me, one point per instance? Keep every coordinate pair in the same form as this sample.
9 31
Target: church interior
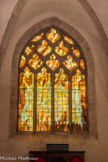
54 80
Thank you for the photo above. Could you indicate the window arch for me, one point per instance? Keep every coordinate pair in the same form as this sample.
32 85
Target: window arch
52 84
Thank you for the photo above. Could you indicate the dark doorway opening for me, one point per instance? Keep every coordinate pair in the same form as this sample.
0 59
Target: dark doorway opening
58 159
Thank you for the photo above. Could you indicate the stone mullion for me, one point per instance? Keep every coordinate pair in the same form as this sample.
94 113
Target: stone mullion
70 103
35 104
52 103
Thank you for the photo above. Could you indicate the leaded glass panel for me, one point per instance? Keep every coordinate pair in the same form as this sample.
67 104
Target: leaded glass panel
43 100
26 91
61 101
78 102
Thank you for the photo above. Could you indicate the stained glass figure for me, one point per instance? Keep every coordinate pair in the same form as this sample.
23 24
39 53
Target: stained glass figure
53 63
69 40
22 61
53 36
82 64
38 37
44 49
43 100
70 63
35 62
26 92
76 52
61 49
61 105
29 49
78 102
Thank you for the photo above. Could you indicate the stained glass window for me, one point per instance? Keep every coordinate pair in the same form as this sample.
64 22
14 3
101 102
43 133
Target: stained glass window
52 84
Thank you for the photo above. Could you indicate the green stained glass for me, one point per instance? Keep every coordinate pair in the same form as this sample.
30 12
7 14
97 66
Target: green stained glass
43 100
61 105
78 102
26 91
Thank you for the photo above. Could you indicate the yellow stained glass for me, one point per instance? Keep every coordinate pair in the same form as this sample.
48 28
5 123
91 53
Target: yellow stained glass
69 63
26 92
69 40
43 100
38 37
61 105
53 63
82 64
22 61
61 49
29 49
76 52
44 49
35 62
53 36
78 102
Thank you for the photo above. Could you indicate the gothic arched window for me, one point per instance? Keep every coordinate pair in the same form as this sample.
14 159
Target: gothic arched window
52 84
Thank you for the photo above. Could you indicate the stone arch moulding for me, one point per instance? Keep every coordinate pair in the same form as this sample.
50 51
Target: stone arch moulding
90 70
